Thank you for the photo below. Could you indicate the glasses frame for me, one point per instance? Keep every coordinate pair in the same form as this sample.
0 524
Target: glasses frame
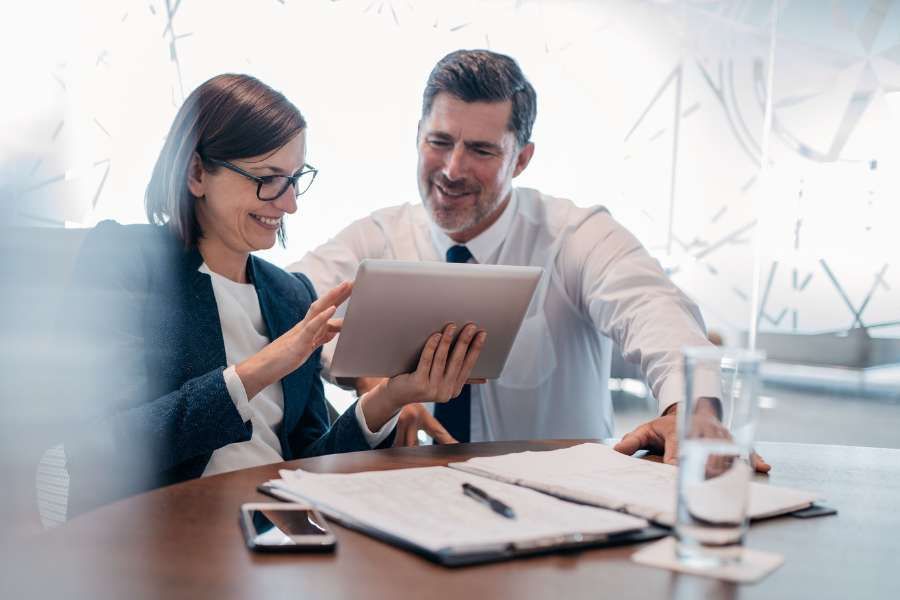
260 181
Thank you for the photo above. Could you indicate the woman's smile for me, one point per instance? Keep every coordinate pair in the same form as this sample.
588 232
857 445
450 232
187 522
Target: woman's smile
270 223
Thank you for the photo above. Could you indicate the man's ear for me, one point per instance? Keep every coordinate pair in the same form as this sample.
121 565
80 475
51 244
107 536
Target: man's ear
196 177
418 132
523 158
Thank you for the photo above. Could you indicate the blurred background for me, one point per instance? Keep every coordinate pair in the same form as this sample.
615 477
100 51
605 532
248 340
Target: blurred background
753 146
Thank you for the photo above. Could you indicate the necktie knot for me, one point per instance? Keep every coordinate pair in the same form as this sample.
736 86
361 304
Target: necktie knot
458 254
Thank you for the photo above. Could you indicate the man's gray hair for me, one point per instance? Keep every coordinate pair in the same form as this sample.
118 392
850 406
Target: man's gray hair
485 76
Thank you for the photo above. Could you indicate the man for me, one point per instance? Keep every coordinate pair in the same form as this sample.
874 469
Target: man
599 283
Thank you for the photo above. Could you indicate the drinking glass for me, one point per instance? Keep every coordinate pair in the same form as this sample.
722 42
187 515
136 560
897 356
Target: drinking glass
716 426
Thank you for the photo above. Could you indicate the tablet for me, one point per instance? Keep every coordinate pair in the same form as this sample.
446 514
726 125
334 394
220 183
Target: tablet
396 306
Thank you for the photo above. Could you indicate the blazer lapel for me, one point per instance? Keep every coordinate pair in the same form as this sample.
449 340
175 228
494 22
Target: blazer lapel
204 347
279 317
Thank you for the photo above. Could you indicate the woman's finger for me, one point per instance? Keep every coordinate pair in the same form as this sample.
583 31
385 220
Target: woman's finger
458 357
426 358
471 358
325 337
335 325
310 330
333 297
440 355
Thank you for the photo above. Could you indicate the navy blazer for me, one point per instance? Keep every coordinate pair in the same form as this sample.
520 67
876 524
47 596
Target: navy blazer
147 360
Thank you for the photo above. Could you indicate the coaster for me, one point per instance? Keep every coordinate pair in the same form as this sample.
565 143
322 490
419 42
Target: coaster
753 566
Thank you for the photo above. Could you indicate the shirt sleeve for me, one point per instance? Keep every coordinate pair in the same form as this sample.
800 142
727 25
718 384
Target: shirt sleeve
336 261
238 393
623 290
379 436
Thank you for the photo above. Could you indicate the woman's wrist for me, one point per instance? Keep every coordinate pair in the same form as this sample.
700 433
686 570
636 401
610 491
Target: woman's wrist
379 406
260 371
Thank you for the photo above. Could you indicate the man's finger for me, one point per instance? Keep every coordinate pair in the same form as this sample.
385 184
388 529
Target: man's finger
437 431
759 464
632 442
670 451
412 435
400 434
402 437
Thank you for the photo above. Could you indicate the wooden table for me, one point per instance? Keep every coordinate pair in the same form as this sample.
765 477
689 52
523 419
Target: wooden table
183 541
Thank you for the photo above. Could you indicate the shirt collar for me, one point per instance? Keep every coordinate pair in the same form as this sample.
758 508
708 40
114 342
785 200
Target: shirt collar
485 246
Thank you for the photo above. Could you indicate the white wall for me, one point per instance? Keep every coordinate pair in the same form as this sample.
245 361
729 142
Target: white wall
104 70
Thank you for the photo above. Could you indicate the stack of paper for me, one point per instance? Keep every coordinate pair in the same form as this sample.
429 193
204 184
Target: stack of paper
426 508
598 475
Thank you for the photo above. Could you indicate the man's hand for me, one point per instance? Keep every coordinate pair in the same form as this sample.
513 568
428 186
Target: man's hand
414 417
660 435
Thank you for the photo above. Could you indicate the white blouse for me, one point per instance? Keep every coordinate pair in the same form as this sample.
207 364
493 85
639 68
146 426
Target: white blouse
244 333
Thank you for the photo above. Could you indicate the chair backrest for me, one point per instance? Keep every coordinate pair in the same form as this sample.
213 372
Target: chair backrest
35 267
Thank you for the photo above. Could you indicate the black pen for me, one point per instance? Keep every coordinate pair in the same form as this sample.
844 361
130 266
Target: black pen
478 494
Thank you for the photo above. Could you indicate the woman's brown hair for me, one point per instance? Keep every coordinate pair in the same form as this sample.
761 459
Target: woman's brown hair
228 117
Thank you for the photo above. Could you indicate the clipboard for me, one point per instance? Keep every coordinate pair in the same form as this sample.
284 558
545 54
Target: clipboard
472 555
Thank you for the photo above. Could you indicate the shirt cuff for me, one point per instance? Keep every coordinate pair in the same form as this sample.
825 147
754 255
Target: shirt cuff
379 436
706 384
238 394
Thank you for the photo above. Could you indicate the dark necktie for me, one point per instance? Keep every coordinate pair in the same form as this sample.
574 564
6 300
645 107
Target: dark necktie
455 414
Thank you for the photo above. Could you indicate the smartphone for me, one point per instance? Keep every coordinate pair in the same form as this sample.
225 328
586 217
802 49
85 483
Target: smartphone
281 527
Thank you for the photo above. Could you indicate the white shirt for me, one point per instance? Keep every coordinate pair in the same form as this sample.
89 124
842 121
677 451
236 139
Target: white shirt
599 285
244 333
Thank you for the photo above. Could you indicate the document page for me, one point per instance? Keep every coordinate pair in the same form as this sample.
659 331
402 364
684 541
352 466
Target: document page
599 475
426 506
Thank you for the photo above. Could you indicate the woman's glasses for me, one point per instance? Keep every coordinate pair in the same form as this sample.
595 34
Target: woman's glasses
270 187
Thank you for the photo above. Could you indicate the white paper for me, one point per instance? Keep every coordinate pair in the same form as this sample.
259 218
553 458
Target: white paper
599 475
427 507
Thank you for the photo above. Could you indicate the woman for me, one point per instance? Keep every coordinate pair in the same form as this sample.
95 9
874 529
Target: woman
203 358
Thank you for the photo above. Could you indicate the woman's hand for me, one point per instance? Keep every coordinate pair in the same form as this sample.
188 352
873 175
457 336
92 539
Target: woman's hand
439 376
295 346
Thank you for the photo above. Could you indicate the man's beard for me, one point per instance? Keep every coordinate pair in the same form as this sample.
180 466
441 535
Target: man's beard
454 219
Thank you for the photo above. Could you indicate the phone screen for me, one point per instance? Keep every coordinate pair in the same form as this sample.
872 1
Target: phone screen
283 527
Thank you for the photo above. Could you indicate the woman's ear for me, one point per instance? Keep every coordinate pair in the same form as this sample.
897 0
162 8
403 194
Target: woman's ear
196 176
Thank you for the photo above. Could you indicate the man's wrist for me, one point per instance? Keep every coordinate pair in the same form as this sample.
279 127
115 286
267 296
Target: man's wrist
708 406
